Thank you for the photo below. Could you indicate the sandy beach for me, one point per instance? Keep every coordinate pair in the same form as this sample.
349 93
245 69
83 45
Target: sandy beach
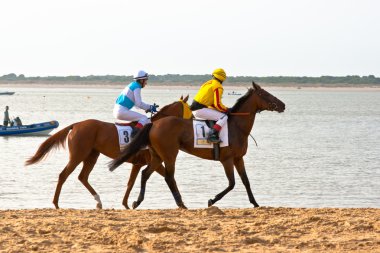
263 229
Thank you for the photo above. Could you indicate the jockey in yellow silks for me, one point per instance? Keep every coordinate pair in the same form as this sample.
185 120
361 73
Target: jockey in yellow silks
207 104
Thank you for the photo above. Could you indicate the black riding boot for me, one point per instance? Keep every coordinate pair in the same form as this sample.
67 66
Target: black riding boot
135 131
213 136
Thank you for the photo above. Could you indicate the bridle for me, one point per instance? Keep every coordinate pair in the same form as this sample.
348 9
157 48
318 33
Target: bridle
272 106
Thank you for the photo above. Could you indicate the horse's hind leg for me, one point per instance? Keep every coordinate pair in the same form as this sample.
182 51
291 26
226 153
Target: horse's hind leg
170 181
70 167
88 165
169 156
229 170
240 167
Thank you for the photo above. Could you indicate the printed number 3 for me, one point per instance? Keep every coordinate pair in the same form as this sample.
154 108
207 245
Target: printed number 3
126 136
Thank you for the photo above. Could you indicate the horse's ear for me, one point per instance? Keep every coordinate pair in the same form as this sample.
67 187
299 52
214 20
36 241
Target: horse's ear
181 98
255 86
186 98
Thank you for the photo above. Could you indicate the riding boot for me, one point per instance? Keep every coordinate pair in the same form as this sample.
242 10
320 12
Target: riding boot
213 136
135 131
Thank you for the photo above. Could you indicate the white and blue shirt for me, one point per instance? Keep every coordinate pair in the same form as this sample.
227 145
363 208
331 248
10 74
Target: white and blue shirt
131 96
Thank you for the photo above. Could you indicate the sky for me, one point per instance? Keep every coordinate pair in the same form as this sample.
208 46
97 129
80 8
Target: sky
245 37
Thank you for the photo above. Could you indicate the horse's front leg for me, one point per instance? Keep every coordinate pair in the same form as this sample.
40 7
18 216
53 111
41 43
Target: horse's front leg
131 181
145 175
240 167
229 170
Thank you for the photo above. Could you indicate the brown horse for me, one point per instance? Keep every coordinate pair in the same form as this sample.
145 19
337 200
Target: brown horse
167 136
89 138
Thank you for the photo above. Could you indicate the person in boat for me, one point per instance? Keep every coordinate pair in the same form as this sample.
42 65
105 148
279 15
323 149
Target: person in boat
17 121
130 97
6 117
207 104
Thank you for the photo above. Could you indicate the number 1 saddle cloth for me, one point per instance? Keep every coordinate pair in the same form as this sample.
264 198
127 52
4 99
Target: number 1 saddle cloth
201 131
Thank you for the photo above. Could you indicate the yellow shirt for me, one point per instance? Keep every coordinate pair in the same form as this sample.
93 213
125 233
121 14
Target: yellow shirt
210 95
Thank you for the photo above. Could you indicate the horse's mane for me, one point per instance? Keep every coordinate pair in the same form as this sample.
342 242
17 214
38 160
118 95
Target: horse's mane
161 110
241 100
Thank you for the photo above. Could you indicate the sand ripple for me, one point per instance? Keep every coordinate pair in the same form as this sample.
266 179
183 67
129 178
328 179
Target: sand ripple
200 230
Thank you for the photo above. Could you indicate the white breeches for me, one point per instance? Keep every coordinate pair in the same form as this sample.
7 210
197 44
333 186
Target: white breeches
123 113
207 113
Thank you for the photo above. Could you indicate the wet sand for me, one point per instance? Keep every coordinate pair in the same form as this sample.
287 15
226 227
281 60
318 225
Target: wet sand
263 229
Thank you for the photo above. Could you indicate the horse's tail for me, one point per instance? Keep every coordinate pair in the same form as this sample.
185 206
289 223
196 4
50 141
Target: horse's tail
54 141
140 141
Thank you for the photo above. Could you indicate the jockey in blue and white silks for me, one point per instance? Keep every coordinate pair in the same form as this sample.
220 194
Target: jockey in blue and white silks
130 97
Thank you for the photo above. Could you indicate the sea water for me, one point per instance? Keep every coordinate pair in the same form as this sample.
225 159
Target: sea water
323 151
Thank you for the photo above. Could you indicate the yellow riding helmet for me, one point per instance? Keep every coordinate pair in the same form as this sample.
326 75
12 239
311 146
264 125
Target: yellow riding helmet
220 74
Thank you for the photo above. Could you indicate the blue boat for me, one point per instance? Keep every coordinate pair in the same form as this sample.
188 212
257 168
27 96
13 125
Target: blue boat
6 93
234 93
43 128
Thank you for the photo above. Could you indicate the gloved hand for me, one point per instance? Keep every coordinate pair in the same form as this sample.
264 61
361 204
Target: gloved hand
153 108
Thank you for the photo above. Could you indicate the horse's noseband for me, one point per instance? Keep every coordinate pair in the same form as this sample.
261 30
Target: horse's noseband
272 106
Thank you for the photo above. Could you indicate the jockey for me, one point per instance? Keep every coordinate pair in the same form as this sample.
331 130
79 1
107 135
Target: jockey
207 104
131 96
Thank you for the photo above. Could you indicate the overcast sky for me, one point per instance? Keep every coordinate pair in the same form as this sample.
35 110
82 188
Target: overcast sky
256 38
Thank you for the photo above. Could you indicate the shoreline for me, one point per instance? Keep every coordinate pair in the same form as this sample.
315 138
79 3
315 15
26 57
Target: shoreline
195 230
237 86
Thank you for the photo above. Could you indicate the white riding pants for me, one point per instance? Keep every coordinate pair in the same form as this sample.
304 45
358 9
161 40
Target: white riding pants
207 113
123 113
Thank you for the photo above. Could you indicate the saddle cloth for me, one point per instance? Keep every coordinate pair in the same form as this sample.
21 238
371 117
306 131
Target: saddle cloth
124 133
201 131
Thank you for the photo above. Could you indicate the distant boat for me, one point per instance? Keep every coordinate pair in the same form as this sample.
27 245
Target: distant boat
233 93
6 93
43 128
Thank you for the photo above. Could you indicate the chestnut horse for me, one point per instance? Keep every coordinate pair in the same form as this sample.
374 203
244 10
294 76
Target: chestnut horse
167 136
89 138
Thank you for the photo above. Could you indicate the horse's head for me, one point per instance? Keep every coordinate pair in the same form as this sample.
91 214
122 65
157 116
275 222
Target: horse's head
178 109
265 100
258 99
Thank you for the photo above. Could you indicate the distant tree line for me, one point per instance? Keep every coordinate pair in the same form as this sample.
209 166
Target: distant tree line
350 80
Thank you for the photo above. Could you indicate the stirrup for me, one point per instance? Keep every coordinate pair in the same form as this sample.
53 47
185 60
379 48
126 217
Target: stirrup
213 137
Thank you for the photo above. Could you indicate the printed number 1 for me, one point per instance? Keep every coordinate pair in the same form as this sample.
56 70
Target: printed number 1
203 131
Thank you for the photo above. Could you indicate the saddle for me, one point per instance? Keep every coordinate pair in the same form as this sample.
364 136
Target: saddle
201 130
131 124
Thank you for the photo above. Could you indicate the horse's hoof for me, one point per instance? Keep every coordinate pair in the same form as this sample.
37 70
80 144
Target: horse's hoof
126 207
210 202
135 205
99 206
182 206
56 206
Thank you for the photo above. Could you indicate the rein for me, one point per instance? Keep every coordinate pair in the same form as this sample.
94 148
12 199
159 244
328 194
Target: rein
247 114
253 139
239 113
